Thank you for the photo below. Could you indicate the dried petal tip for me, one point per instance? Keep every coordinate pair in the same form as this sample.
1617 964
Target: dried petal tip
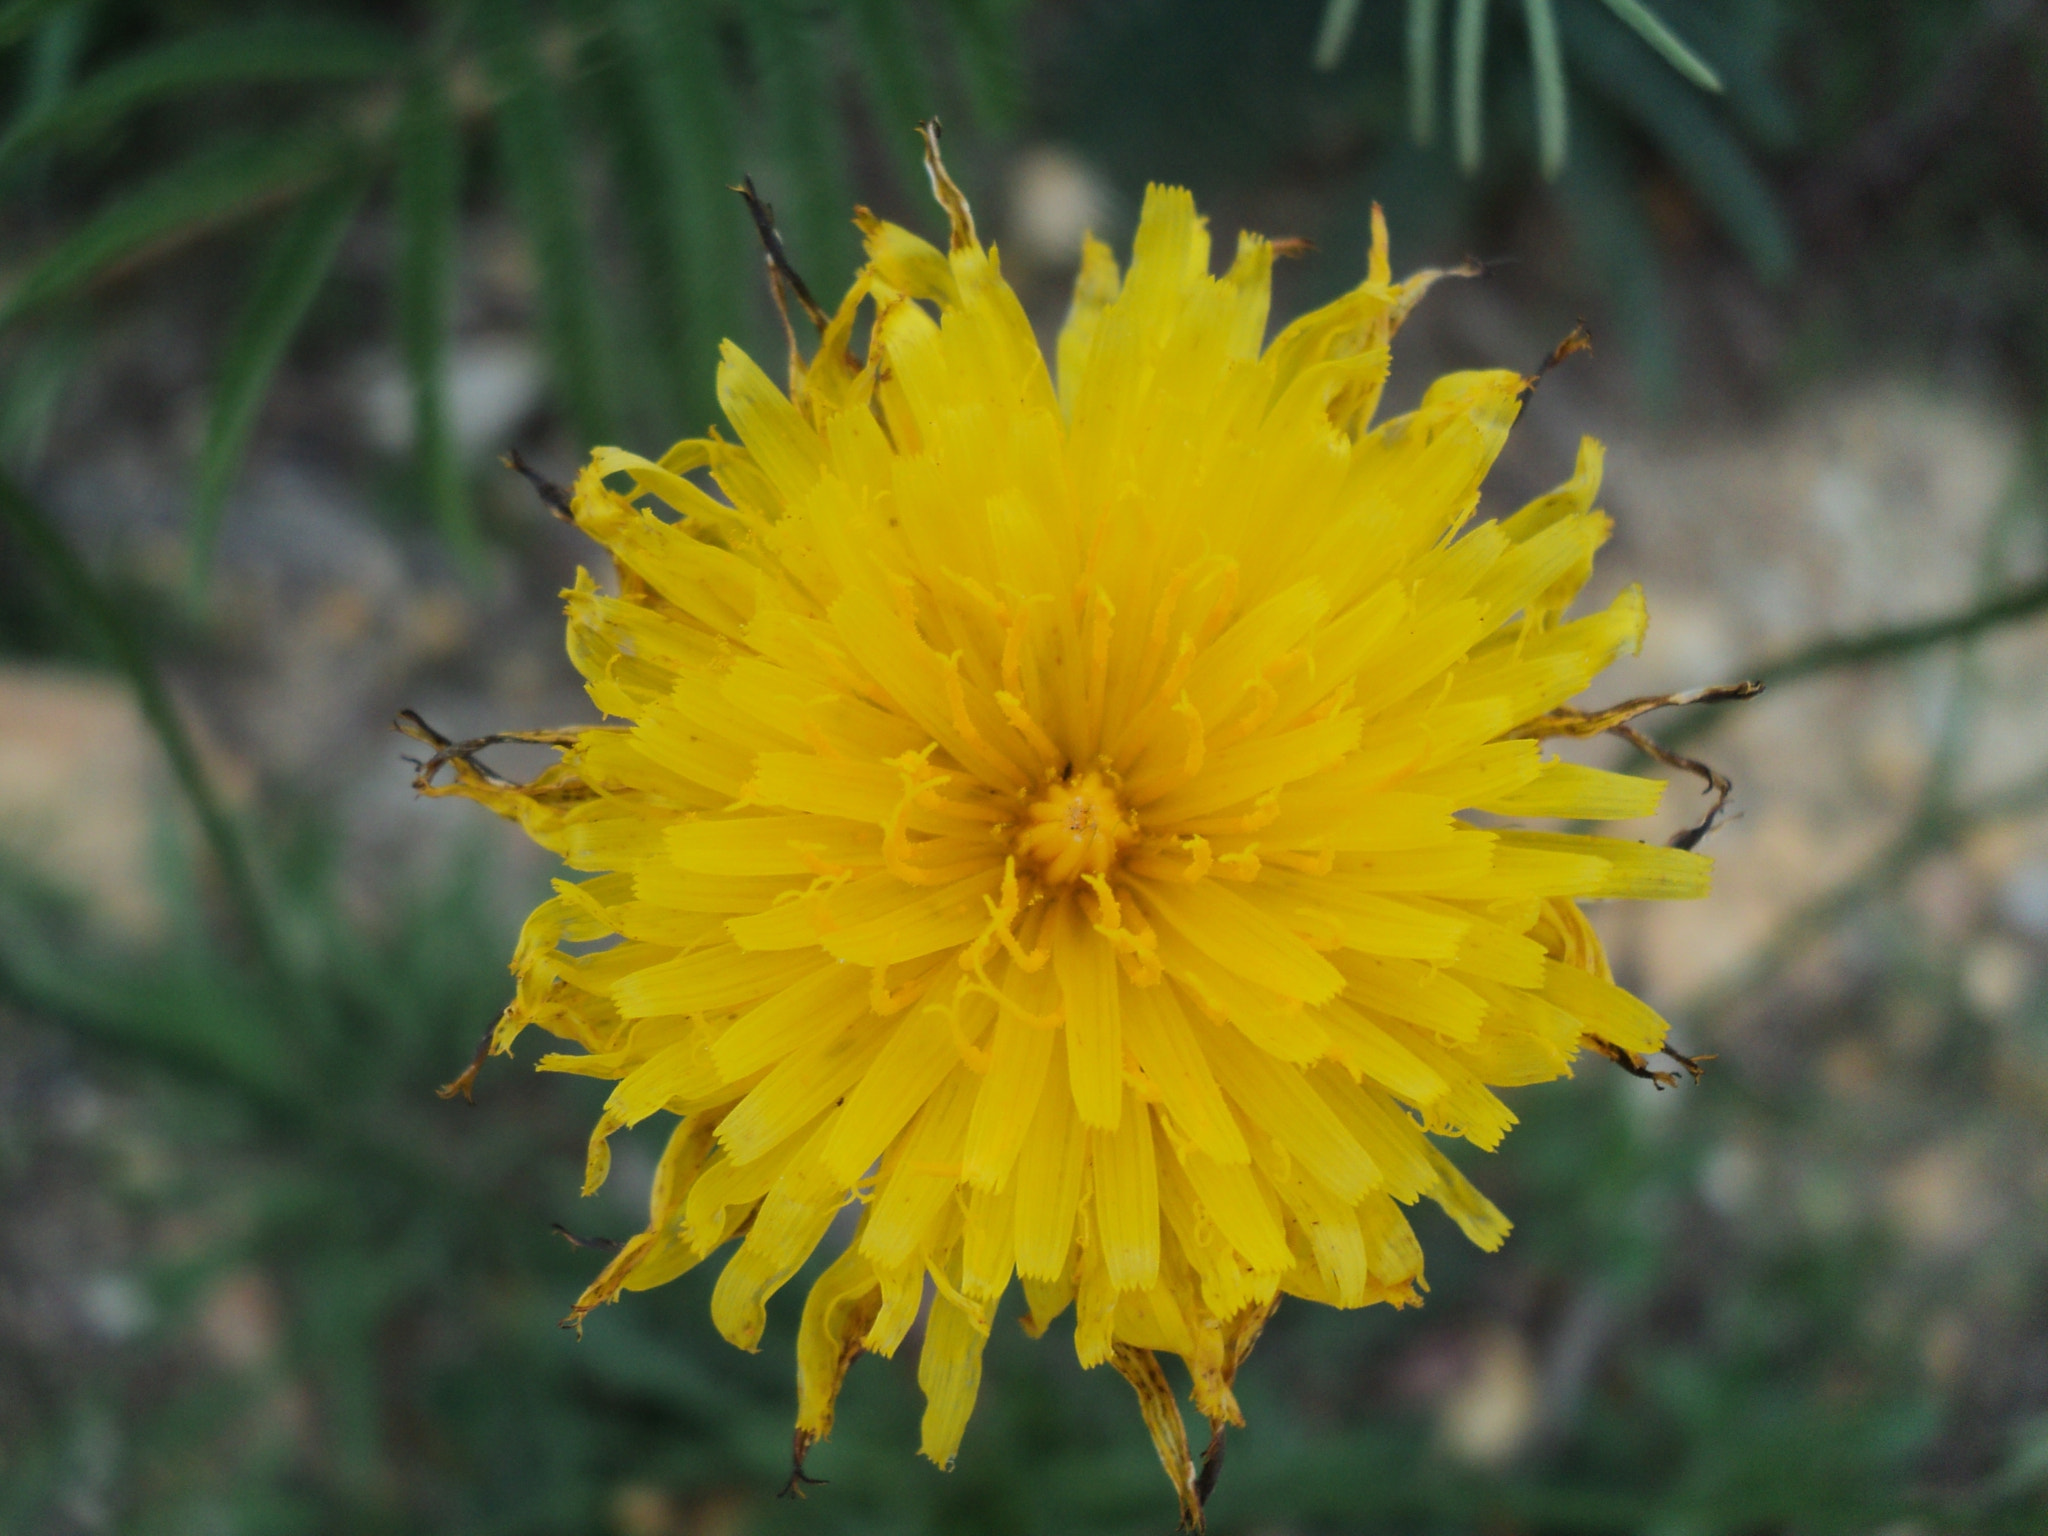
1578 340
465 1082
950 197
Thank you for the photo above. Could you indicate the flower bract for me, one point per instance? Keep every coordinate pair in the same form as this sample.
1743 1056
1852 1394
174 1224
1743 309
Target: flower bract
1030 842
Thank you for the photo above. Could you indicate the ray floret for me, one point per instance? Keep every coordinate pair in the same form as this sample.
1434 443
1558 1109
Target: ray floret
1033 812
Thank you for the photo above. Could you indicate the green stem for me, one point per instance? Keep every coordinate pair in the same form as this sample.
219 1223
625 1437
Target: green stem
1891 643
1903 639
21 516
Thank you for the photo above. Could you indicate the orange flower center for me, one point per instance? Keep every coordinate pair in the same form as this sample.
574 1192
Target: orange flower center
1076 827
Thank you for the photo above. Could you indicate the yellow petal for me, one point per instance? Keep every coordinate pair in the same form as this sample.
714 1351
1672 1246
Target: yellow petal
791 1220
923 1048
1091 996
949 1372
1048 1176
1605 1010
1127 1198
1245 938
1095 289
1161 1038
1281 1106
1008 1098
837 1313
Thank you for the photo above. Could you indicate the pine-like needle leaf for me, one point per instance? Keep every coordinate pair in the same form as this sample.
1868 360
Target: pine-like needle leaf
214 187
680 113
1650 27
894 77
276 50
811 196
1468 69
1546 63
1422 69
429 194
18 18
51 65
984 38
1340 19
1694 139
291 272
539 162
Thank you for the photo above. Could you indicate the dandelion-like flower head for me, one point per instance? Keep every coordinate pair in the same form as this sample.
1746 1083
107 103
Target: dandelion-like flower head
1031 817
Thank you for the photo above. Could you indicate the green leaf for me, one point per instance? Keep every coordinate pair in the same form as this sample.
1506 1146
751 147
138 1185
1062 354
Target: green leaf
895 80
1693 138
428 197
1546 62
1468 79
1647 25
1616 245
52 63
813 203
207 1030
289 275
985 38
31 529
1340 19
261 51
688 226
1422 66
18 18
540 163
40 371
227 182
1747 46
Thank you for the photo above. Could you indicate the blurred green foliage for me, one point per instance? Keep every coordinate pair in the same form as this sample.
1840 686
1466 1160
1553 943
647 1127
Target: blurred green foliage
137 128
1188 91
1730 1377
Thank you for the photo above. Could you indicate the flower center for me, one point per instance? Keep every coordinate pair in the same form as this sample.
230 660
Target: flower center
1076 827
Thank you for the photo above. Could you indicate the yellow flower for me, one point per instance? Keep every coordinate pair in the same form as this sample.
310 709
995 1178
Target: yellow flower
1036 830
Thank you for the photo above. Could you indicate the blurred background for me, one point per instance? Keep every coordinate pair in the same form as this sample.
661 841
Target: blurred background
279 282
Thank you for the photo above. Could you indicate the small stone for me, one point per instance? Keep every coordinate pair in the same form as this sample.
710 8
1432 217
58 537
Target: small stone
1997 974
1490 1415
1055 198
1938 1203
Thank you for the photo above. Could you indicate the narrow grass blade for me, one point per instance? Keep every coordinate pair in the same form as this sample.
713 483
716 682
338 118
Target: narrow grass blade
813 203
538 155
1714 164
1650 27
41 369
894 78
428 196
212 188
1613 238
1333 36
1747 51
83 596
52 65
18 18
1422 69
290 274
686 224
1546 63
261 51
991 63
1468 70
46 76
651 342
190 1016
